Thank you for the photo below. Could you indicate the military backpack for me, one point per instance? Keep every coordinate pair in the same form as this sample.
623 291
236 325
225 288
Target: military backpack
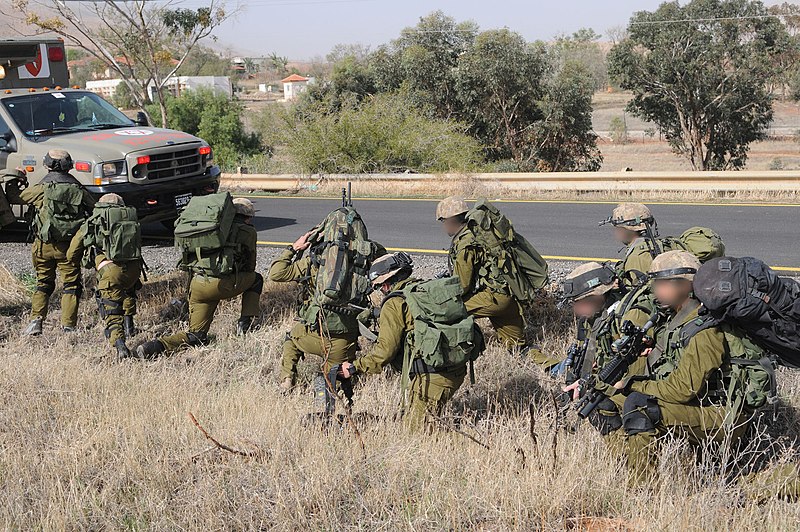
115 230
205 233
511 258
62 212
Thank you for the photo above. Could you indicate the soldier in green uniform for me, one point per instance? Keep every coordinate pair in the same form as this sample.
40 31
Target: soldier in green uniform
13 182
428 391
206 291
304 338
630 225
682 388
58 245
117 280
483 297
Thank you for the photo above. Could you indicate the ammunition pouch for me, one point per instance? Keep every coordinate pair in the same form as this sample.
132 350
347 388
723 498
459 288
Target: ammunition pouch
606 418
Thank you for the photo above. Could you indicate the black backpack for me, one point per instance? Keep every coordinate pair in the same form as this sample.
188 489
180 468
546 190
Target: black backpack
747 293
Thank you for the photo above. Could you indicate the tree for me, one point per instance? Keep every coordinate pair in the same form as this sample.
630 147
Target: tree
499 82
700 72
582 47
143 42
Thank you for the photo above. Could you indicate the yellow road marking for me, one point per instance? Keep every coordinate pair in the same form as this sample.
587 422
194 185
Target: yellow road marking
554 201
546 257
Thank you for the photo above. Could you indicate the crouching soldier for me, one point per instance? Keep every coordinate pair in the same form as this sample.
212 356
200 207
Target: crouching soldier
219 250
686 389
62 205
13 182
425 332
113 243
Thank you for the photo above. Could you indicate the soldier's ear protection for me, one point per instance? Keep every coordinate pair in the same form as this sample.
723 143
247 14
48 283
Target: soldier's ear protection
63 164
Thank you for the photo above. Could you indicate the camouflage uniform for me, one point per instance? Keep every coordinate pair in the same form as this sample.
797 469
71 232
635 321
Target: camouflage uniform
64 257
428 392
206 292
304 338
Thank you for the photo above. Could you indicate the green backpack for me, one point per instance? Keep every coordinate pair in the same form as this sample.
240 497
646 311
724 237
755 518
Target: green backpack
342 254
444 335
62 213
702 242
206 235
512 259
115 230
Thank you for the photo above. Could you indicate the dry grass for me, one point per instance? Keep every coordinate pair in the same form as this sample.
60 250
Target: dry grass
89 444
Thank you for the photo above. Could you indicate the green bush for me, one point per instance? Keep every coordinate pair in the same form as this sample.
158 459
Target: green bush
217 120
384 133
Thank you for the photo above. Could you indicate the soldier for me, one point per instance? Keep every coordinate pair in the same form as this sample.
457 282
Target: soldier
429 388
484 298
683 390
206 291
14 181
112 238
62 205
630 221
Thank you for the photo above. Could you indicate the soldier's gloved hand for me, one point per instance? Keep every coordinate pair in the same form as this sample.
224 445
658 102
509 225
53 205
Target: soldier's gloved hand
347 370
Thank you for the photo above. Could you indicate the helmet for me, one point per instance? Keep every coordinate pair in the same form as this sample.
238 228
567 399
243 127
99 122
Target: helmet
58 160
116 199
675 264
244 207
632 216
590 279
385 267
449 207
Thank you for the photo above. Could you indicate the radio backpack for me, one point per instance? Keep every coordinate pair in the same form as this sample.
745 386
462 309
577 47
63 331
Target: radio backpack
115 230
746 293
62 212
511 257
342 254
206 235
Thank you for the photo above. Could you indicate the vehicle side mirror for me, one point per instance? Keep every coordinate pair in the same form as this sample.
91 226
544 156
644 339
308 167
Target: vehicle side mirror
141 119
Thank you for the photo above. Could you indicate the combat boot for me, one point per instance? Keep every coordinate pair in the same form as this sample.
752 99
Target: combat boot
150 349
129 327
122 350
34 328
243 325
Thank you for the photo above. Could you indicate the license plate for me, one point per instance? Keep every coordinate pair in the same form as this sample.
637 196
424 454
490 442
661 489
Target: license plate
182 200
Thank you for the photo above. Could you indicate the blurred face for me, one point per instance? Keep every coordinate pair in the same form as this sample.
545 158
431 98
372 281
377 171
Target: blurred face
452 225
625 236
589 306
672 293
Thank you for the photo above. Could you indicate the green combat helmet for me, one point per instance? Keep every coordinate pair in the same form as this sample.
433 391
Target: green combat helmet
450 207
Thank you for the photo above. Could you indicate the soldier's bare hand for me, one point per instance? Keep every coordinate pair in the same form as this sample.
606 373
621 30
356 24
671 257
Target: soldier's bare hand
347 370
302 242
574 388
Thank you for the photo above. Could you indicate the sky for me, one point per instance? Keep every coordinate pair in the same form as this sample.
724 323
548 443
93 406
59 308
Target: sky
304 29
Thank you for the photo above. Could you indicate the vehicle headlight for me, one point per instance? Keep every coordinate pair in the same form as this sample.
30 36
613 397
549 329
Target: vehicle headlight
110 172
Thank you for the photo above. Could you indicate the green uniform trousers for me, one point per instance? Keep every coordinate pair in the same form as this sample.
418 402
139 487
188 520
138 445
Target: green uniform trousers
205 293
503 312
117 284
64 258
301 341
428 393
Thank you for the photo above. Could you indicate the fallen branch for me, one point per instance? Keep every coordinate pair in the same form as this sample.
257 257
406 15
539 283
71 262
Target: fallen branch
222 446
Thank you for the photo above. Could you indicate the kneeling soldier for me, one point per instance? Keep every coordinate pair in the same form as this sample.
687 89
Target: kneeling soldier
207 289
113 242
436 370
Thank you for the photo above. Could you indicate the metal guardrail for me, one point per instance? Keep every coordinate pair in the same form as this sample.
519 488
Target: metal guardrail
764 181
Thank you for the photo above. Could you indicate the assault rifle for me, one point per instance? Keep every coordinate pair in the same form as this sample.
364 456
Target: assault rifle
650 234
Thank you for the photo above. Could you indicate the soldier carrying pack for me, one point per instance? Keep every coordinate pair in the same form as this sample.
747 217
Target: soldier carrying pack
206 235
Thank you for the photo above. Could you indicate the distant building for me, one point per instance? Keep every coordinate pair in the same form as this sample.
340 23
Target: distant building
104 87
176 85
294 85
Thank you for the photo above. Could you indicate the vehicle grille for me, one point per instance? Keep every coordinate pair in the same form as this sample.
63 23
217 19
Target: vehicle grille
174 164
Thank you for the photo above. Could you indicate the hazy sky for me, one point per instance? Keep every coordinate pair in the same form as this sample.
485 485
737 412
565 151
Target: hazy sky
302 29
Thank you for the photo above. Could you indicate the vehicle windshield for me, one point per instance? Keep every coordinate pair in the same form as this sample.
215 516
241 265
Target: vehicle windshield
55 113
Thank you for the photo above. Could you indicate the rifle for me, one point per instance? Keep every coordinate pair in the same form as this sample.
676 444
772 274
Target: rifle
650 233
576 356
628 348
347 195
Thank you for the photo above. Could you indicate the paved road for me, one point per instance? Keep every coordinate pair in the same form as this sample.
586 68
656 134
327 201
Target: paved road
557 229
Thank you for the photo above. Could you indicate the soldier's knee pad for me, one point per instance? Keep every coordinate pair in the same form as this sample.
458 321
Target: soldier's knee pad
606 418
640 413
258 284
111 308
46 287
75 289
197 338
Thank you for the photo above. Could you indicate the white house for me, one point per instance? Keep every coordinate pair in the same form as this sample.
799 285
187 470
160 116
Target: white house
178 84
294 85
104 87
